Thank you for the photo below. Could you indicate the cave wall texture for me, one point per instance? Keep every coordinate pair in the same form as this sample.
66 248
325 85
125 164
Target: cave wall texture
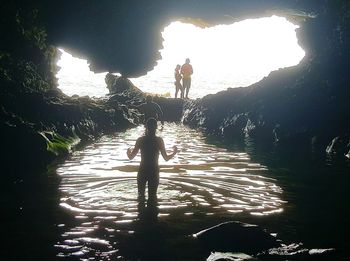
125 36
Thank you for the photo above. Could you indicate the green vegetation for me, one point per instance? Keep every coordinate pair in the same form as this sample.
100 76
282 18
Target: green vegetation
58 144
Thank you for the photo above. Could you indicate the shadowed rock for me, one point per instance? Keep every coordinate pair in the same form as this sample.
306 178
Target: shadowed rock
236 237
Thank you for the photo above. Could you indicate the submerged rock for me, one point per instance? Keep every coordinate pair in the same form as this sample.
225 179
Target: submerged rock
338 145
240 241
218 256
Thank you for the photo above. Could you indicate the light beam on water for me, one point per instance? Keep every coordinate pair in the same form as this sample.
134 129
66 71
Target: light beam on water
98 186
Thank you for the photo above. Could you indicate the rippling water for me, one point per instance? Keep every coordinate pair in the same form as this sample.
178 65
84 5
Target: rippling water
98 187
89 210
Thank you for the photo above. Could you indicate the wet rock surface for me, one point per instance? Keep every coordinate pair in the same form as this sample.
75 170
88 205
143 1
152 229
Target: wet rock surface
290 107
235 240
236 237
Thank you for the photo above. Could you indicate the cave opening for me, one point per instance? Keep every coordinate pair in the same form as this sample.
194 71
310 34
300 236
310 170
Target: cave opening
223 56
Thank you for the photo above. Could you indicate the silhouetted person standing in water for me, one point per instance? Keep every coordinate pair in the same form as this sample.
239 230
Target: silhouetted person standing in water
150 146
178 85
186 71
150 109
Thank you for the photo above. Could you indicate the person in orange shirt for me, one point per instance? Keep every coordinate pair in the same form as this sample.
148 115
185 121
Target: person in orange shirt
186 71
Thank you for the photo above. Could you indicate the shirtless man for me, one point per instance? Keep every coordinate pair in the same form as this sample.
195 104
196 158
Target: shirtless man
150 146
150 109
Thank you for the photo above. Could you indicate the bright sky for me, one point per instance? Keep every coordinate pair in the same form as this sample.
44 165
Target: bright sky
222 56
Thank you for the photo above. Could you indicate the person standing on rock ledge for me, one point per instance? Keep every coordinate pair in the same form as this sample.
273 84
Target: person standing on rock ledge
150 109
186 71
150 146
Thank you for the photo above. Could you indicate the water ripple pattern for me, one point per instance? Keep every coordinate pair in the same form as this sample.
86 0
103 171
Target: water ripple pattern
98 186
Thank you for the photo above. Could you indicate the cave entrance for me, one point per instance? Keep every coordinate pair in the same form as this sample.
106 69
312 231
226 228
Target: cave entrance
223 56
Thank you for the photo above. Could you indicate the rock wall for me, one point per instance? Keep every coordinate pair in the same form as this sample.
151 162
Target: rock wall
306 104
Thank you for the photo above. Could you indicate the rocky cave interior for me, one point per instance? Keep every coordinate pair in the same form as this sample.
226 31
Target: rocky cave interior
126 38
306 106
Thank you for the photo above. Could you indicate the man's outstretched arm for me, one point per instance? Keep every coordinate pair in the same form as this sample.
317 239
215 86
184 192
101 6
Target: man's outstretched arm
132 152
163 151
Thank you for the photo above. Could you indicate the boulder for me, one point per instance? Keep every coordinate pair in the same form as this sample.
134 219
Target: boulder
119 84
235 236
339 145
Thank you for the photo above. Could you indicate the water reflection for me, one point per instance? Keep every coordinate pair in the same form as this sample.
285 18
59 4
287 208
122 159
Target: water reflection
99 189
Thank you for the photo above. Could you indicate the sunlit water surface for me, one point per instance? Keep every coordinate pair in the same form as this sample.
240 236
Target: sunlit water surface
203 182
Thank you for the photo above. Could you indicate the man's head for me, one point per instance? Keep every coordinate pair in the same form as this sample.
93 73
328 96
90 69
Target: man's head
187 60
151 126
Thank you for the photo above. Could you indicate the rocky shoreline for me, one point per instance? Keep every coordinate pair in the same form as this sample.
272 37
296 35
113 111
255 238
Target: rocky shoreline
288 108
58 123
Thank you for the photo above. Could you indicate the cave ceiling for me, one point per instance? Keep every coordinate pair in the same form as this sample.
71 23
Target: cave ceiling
125 36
